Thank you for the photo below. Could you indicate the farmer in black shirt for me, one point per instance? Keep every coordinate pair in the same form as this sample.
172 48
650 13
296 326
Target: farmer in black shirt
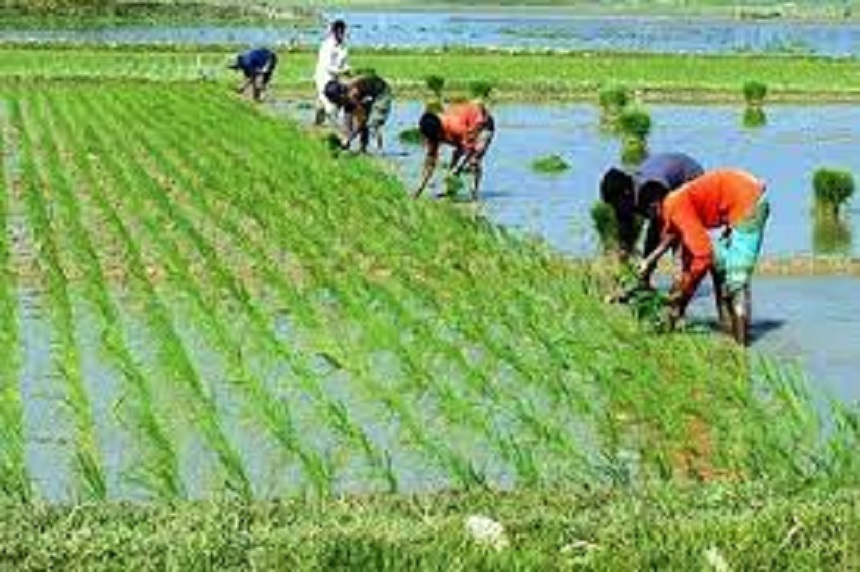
366 103
258 66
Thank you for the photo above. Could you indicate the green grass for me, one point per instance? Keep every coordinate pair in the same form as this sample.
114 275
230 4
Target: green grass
513 75
747 528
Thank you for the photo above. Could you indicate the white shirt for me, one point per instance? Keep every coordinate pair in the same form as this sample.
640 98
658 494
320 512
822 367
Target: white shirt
331 62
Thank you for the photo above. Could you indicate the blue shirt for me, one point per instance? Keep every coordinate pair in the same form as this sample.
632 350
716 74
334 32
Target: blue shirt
255 61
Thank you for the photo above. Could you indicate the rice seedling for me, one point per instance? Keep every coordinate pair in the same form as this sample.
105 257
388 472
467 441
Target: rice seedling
66 359
550 164
606 226
832 236
833 188
755 92
410 136
14 480
613 100
634 127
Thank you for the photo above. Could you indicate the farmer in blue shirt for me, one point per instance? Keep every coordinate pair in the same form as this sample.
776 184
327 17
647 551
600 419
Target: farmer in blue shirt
621 189
258 66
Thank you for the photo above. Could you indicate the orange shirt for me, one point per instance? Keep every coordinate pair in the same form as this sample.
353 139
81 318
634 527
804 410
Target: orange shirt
462 122
718 198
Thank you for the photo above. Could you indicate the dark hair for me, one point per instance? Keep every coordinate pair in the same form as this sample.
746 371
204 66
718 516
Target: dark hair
338 26
650 192
616 187
431 127
335 92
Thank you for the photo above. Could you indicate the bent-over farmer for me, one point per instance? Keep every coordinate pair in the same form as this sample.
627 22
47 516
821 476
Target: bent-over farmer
467 127
366 104
728 199
258 66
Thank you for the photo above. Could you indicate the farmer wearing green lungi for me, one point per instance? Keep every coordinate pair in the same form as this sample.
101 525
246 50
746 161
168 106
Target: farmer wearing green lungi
366 103
729 199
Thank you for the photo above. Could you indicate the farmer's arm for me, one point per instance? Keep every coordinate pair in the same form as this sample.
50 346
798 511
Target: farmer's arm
429 166
647 266
698 260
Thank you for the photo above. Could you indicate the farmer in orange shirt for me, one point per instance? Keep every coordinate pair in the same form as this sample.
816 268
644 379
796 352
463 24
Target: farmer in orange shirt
729 199
469 129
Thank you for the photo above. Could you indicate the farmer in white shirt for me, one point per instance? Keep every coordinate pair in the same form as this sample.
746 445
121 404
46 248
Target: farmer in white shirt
331 65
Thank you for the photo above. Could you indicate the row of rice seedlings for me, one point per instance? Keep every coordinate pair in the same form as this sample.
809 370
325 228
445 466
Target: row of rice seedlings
419 371
175 365
38 175
14 479
156 467
200 192
406 327
405 323
275 412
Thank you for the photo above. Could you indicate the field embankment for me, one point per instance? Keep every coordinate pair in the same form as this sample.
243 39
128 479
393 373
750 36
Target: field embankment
517 75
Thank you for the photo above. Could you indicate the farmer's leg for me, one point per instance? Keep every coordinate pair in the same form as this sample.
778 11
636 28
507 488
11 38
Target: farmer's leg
476 159
741 259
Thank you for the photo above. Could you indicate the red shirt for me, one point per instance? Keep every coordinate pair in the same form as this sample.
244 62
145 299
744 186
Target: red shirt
718 198
461 124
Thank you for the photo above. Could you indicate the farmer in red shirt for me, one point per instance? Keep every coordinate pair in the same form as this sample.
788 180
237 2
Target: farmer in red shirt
469 129
727 199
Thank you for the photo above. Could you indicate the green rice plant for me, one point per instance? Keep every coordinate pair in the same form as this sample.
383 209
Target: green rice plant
480 90
66 358
157 468
173 356
410 136
634 126
550 164
435 85
754 117
605 225
14 482
613 100
831 236
833 188
755 92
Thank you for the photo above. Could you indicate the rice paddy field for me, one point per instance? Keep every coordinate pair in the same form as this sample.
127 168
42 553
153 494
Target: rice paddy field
225 346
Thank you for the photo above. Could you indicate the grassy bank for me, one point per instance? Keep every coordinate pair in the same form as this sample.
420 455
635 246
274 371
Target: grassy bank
29 14
708 528
525 76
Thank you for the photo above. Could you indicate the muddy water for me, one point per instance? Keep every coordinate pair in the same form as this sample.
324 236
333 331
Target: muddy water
508 28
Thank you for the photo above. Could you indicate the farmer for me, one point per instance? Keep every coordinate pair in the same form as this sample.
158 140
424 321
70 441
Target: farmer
620 189
469 129
366 105
727 199
258 66
332 64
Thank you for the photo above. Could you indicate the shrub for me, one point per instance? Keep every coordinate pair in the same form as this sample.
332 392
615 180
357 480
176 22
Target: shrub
832 189
550 164
755 92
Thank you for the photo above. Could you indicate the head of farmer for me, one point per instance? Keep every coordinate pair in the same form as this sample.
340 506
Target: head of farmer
728 199
469 129
257 66
366 104
620 189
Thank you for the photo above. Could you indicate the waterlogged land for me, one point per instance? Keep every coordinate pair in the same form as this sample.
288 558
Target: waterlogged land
517 75
197 310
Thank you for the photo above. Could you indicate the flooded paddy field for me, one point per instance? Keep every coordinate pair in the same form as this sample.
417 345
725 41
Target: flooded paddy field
511 30
799 317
